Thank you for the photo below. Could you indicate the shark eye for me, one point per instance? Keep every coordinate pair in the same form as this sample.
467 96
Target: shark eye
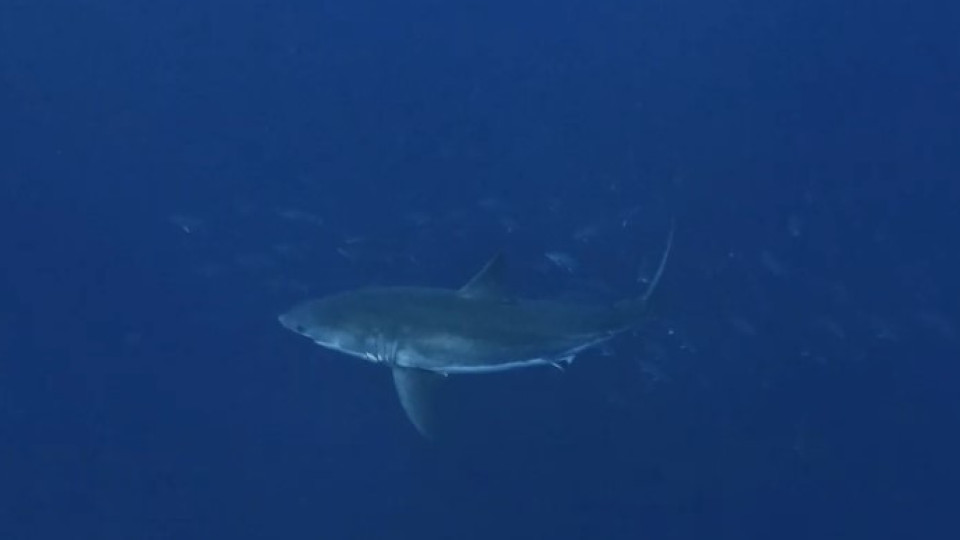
301 328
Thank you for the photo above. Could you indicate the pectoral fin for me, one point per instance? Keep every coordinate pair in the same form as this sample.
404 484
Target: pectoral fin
417 391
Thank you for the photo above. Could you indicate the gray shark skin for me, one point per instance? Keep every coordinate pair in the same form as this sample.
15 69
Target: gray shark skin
423 334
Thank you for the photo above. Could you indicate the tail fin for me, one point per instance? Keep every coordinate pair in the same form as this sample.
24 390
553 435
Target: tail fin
634 309
663 264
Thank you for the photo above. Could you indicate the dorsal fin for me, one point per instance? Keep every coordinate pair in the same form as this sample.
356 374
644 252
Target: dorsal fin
488 282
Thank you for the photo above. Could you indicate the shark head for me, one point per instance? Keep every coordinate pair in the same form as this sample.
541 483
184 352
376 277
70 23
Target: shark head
327 323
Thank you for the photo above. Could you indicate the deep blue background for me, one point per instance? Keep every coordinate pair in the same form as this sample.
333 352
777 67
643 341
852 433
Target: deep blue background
164 167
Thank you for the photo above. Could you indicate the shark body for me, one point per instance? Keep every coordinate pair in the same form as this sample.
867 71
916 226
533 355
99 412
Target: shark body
423 334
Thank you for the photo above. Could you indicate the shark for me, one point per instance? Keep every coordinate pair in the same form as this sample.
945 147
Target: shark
424 334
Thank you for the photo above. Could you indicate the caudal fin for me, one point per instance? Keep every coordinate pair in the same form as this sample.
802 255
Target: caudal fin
633 310
663 264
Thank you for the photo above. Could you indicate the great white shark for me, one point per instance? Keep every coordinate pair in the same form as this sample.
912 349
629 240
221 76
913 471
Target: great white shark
424 334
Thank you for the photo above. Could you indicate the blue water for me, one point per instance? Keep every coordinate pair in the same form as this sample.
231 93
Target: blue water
175 174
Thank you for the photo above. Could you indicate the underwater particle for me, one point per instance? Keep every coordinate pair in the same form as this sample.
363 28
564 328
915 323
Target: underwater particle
773 265
209 270
883 329
743 326
509 224
627 217
652 372
830 326
255 261
936 322
795 225
492 204
187 224
417 218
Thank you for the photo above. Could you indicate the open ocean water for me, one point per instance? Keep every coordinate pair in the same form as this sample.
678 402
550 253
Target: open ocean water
173 175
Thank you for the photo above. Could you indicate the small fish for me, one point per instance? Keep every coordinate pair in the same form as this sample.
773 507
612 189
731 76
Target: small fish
587 233
563 261
300 216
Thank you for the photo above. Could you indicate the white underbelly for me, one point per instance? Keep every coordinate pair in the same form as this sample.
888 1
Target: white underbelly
491 368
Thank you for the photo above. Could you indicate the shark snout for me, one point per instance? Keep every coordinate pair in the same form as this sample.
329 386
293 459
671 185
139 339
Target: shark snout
295 321
288 322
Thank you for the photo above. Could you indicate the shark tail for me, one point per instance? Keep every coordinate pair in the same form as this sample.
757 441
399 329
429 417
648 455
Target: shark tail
417 390
633 310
